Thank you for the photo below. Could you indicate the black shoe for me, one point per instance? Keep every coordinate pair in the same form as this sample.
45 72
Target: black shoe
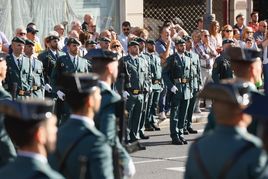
192 131
177 141
142 136
156 128
149 129
185 132
183 140
133 140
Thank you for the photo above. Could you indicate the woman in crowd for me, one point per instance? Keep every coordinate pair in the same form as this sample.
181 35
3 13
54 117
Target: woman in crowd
117 47
215 35
248 33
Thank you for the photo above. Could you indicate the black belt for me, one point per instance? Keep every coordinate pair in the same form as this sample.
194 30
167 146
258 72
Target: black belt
181 80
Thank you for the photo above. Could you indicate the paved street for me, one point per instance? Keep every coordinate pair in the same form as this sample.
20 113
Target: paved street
161 159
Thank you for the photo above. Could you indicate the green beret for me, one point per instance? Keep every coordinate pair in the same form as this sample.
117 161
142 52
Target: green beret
139 39
18 40
104 54
179 41
73 41
91 42
186 38
104 39
29 42
27 110
132 43
52 37
238 54
150 41
81 83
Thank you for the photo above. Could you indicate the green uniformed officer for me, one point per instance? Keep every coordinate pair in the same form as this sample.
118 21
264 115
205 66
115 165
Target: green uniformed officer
147 86
69 63
222 65
49 58
247 66
134 69
230 151
19 78
32 127
104 43
82 151
156 85
105 64
38 84
7 150
176 75
195 85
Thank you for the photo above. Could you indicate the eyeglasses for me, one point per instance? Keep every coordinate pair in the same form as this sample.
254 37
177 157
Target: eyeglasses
249 32
228 30
22 33
206 35
115 46
125 29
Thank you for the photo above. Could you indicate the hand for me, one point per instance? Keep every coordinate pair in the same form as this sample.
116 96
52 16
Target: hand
48 88
130 169
125 95
174 89
61 95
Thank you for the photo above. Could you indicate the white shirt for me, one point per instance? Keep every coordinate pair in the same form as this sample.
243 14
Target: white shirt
85 119
34 155
106 84
123 40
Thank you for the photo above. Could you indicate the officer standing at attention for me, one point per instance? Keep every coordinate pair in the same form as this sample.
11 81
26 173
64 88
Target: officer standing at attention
222 65
82 151
37 71
49 58
105 64
7 150
156 85
176 75
195 85
69 63
230 151
32 127
134 69
19 78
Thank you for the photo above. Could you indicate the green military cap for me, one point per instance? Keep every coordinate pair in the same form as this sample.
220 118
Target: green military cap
228 91
139 39
179 41
52 37
73 41
91 42
227 41
258 107
186 38
27 110
104 39
150 41
29 42
104 54
132 43
18 40
81 83
31 30
2 56
238 54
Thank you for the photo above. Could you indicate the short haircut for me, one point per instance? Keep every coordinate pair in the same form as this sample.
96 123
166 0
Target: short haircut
126 23
254 12
30 24
76 100
238 16
99 65
21 132
199 19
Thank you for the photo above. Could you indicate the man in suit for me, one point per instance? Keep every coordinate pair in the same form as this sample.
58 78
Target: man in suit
230 151
7 149
49 58
37 71
32 127
69 63
177 77
19 78
82 150
105 64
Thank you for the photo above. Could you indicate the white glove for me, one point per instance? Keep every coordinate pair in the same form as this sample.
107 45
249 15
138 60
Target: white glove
125 94
174 89
61 95
48 88
130 169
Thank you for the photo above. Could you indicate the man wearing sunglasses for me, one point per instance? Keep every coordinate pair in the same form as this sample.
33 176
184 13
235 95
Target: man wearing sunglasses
124 35
31 35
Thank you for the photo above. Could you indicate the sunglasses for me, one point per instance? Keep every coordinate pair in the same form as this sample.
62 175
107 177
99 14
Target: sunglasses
206 35
125 29
228 30
22 33
249 32
115 46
